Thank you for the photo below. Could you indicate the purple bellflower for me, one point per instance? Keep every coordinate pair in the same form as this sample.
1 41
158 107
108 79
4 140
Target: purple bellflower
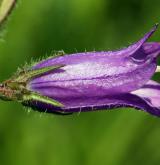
91 81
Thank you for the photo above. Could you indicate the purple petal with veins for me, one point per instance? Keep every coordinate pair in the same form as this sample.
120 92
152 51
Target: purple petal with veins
102 80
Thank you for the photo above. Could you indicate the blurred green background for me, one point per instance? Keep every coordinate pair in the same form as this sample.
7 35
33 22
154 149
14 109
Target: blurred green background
117 137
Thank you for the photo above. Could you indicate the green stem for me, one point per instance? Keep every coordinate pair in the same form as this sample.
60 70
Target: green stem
6 7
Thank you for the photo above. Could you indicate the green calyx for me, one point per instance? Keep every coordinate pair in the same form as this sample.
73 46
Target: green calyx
25 76
16 88
43 99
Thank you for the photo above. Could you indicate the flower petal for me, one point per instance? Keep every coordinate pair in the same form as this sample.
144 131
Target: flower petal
150 93
99 73
146 98
98 79
87 56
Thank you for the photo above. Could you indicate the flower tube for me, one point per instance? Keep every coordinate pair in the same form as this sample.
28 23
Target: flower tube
91 81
